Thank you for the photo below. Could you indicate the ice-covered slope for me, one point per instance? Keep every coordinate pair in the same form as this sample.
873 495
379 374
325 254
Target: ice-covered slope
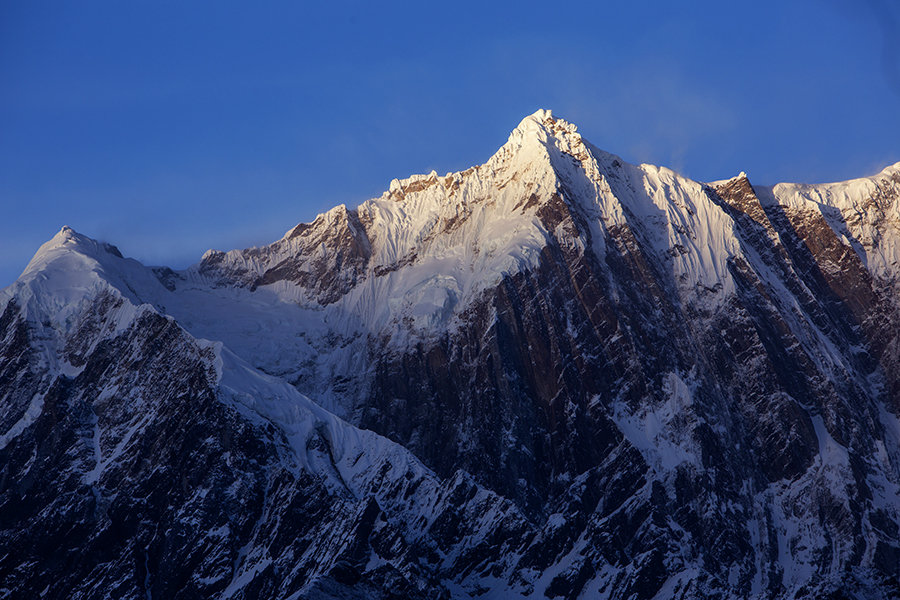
133 424
408 263
552 375
863 213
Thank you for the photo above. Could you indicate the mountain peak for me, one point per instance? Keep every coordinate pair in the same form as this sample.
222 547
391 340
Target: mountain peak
66 235
540 117
541 139
68 239
543 124
539 356
69 243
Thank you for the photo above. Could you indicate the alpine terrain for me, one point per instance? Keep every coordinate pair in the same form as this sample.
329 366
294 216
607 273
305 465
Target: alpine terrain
554 375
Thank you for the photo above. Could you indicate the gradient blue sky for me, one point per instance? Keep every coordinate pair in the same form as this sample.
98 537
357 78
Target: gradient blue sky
171 127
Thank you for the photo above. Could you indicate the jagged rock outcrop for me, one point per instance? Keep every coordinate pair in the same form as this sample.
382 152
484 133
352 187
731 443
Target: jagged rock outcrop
552 375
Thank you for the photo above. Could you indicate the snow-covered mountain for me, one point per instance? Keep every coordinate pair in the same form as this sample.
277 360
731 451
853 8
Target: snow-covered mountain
552 375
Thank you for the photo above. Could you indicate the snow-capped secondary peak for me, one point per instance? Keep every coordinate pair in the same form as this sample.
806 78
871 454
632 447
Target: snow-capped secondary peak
742 176
72 268
66 235
67 240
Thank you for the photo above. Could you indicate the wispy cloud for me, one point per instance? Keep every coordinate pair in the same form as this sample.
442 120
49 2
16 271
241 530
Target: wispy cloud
651 111
887 16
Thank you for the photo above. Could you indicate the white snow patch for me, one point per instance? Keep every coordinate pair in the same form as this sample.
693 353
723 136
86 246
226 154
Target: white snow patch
658 430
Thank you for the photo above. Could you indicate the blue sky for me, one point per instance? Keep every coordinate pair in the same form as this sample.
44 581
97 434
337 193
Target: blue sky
171 127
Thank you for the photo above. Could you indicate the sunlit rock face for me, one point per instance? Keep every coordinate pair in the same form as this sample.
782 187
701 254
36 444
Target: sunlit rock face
553 375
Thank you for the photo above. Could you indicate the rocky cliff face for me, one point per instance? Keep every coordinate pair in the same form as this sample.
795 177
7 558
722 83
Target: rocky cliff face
552 375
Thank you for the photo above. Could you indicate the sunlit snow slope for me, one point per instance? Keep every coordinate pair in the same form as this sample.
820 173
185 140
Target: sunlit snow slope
556 374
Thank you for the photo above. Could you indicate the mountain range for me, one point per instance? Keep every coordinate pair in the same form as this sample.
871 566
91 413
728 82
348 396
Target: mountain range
553 375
